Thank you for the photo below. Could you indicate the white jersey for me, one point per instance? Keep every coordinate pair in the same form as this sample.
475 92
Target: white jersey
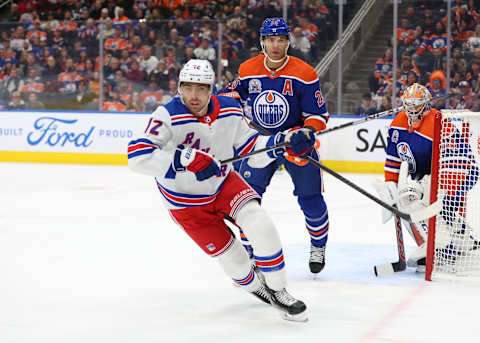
222 132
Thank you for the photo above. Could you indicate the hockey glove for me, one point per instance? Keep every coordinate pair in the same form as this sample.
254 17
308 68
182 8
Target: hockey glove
301 141
203 165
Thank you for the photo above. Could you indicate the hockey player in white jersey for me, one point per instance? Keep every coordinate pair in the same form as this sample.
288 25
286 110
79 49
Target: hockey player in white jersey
181 147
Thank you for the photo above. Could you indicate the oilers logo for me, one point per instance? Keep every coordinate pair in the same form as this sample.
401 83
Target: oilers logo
271 109
405 154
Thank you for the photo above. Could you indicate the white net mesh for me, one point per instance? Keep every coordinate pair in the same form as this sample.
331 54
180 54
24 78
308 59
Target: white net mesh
457 227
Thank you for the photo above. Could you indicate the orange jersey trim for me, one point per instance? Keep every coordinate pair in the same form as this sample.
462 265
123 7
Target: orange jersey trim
294 67
315 123
426 128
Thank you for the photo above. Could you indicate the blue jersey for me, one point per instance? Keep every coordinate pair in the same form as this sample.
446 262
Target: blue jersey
414 147
280 99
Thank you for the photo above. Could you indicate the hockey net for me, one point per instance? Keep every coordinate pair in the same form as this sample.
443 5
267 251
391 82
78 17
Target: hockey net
454 234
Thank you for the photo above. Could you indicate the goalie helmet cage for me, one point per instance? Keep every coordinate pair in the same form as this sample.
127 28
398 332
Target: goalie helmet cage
453 251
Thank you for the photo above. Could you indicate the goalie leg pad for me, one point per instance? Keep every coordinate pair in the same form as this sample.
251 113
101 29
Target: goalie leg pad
263 236
417 255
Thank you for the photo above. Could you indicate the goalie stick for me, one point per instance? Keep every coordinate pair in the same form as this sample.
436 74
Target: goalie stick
400 265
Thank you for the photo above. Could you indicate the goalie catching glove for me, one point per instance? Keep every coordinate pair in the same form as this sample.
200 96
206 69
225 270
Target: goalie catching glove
203 165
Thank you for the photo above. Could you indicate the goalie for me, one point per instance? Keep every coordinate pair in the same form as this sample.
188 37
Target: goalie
408 169
408 165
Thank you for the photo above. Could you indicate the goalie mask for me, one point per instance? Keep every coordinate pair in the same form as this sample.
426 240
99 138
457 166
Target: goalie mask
415 101
274 27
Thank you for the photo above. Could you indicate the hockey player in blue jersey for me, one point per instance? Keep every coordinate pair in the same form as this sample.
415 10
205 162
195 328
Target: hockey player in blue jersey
409 147
281 92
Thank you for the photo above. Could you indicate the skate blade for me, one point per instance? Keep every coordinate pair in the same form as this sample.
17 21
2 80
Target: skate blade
301 317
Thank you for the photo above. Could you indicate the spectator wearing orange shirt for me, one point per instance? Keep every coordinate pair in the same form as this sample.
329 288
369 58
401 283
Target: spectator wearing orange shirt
33 83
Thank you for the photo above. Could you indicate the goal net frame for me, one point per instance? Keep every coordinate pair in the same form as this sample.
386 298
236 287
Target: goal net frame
451 251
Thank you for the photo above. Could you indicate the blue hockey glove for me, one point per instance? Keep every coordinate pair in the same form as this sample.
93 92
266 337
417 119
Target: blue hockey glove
203 165
301 141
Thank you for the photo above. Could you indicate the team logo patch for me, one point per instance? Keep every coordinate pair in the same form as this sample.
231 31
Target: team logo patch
254 86
211 247
247 174
271 109
395 135
405 154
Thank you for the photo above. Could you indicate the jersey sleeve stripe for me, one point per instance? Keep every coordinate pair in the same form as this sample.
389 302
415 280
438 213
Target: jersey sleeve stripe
392 164
248 146
394 158
140 147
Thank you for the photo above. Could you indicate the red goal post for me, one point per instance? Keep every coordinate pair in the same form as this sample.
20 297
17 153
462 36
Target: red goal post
453 250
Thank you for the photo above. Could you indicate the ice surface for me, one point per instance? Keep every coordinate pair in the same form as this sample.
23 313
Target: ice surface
89 254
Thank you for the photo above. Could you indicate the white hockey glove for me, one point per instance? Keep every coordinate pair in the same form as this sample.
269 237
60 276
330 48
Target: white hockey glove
412 195
387 191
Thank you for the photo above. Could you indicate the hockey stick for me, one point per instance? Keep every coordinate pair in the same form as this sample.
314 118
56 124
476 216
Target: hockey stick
400 265
413 217
342 126
242 157
416 216
382 114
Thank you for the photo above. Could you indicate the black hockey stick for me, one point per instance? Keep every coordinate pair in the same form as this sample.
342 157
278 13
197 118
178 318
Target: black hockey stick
242 157
412 218
400 265
382 114
318 133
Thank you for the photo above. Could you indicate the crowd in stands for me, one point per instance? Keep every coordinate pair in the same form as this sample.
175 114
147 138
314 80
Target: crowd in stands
49 50
422 47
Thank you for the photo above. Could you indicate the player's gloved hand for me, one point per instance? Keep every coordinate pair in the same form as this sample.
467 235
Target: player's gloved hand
301 141
202 164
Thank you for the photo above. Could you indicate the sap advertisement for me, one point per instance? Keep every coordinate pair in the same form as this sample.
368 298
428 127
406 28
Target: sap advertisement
86 133
68 131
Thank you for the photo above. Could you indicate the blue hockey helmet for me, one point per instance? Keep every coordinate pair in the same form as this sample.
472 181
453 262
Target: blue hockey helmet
274 27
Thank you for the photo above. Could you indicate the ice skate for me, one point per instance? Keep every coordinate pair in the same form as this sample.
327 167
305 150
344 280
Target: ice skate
317 259
263 294
292 309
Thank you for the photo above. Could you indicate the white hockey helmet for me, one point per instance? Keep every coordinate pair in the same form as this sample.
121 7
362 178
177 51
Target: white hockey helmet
415 101
197 71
